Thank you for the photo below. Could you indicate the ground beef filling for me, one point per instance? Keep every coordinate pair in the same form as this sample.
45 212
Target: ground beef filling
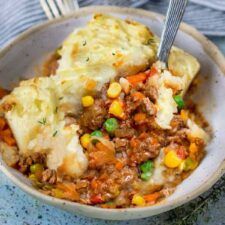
118 158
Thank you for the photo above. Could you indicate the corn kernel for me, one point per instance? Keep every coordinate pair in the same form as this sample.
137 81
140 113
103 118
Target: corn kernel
171 160
193 148
114 90
57 193
116 109
184 115
85 140
138 200
87 101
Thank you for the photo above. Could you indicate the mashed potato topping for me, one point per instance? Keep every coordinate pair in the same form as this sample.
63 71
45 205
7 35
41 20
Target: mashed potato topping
36 110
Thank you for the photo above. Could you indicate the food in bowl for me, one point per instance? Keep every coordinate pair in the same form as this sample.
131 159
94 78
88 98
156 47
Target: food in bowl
108 126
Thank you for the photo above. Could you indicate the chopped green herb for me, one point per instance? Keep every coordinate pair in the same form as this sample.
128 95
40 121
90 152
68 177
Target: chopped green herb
60 98
151 41
56 109
113 53
84 43
54 134
43 121
179 100
87 59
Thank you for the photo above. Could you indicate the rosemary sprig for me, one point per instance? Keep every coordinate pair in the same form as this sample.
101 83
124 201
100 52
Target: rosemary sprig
198 207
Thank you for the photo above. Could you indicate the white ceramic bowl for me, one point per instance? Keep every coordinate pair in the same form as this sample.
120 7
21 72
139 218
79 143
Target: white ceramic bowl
23 55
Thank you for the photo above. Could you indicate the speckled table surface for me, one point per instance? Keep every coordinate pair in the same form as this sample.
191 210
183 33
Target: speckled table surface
17 208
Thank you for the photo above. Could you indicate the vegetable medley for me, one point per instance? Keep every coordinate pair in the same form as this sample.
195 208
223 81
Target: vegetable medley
132 161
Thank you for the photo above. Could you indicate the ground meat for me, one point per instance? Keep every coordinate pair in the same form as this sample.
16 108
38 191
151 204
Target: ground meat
125 132
177 123
180 137
131 104
150 107
143 151
49 176
26 161
93 116
120 143
151 92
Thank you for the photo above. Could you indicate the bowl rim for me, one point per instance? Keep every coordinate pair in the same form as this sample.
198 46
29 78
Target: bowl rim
211 50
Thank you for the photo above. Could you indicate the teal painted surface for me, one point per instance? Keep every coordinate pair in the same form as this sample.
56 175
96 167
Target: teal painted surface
17 208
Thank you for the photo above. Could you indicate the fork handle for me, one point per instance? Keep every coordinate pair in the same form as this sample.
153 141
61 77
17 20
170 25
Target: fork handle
174 17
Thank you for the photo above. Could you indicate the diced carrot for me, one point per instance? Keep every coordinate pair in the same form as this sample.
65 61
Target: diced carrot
7 137
137 96
152 197
139 117
96 199
193 148
6 132
9 140
135 79
2 123
119 165
152 71
94 184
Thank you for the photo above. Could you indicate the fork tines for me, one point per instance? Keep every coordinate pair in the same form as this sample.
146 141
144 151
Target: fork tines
57 8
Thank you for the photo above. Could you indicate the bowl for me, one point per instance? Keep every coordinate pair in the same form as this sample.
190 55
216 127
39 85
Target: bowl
22 57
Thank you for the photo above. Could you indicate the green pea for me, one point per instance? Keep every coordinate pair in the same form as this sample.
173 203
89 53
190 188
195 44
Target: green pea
36 168
189 164
111 125
146 176
96 133
179 100
147 166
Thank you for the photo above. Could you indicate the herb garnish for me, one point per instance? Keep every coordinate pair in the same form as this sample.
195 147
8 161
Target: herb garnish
84 43
56 109
151 41
54 134
43 121
113 53
87 59
198 207
60 98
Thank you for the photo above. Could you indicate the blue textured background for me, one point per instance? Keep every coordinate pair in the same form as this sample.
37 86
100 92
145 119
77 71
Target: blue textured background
17 208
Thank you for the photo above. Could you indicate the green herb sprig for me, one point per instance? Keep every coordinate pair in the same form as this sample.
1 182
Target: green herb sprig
198 207
43 121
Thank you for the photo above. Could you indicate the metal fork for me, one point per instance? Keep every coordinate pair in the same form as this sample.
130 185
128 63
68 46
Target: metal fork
174 17
57 8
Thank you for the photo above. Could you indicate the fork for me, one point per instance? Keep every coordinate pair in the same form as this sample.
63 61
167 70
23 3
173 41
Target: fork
58 8
174 17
